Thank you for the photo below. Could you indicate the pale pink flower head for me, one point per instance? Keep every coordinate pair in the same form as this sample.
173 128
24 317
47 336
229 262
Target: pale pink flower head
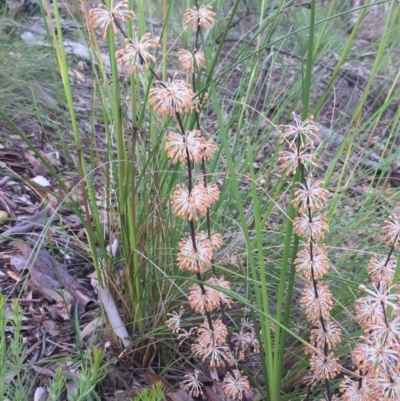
312 228
294 157
193 385
307 130
174 322
310 196
325 367
221 282
203 17
318 305
235 385
203 301
381 268
216 239
209 149
104 18
179 147
329 334
135 53
391 230
190 61
171 97
212 336
312 265
195 258
189 205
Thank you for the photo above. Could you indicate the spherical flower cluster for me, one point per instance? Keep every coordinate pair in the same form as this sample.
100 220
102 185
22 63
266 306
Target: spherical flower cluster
317 302
294 157
329 334
203 299
305 131
310 195
235 385
221 282
391 231
381 269
193 385
312 264
215 335
311 227
202 17
189 205
171 97
135 53
104 18
190 61
179 147
325 367
195 257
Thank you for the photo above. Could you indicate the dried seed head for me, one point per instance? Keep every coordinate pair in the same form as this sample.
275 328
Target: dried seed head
203 302
329 335
310 196
193 385
188 206
173 96
190 61
104 18
203 17
317 305
135 54
235 385
381 269
314 267
325 367
313 229
194 260
179 146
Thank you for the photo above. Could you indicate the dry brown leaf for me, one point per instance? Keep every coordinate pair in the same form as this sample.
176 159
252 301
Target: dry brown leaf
91 326
153 378
14 276
179 395
211 395
37 166
3 217
60 309
51 327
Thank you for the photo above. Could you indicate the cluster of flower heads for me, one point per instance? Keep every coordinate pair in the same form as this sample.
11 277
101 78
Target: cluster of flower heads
376 358
311 261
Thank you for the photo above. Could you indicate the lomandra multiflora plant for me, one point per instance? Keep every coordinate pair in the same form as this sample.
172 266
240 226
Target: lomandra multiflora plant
312 262
191 200
376 357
